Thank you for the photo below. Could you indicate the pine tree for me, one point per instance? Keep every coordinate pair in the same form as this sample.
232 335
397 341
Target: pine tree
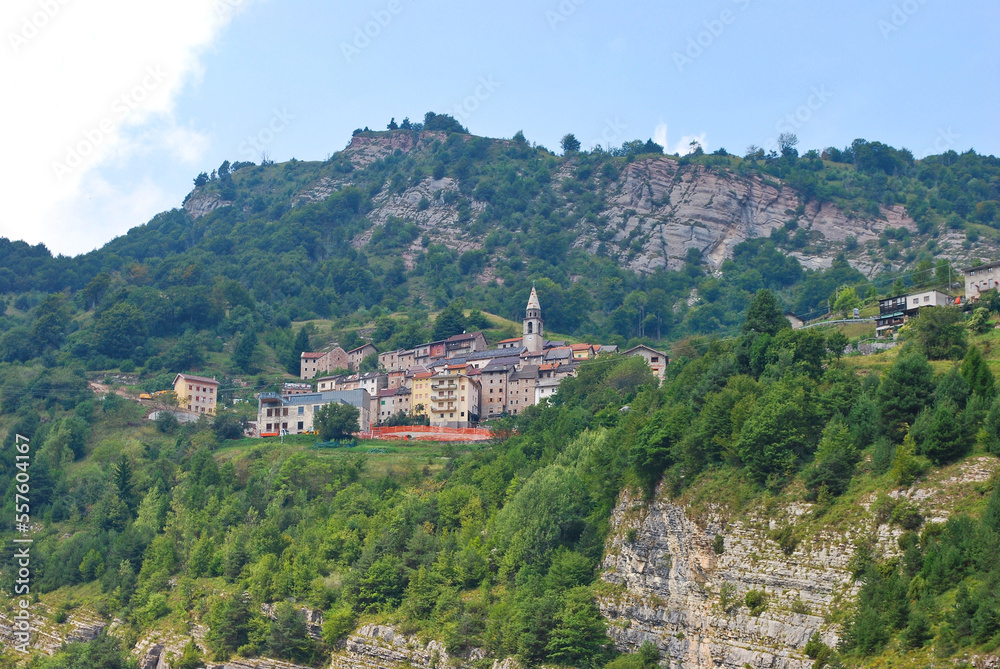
977 374
764 315
243 355
905 390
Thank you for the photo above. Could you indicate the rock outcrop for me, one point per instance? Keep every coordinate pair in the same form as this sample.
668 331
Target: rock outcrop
383 647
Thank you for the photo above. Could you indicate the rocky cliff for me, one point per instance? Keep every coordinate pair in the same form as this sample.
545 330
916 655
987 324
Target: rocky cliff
653 211
668 583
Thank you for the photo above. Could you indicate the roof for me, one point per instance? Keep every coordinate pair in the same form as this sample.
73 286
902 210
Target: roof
360 348
533 300
526 372
312 355
643 347
581 347
474 372
463 337
510 341
995 263
548 366
423 375
561 353
500 364
609 348
353 397
496 353
198 379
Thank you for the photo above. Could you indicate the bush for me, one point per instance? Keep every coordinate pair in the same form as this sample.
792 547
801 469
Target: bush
719 544
756 601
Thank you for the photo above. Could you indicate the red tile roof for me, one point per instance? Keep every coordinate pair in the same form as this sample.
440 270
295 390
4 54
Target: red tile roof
312 356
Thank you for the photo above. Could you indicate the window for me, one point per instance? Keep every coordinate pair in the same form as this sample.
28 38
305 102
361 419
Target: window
654 359
284 426
927 298
300 425
284 411
268 427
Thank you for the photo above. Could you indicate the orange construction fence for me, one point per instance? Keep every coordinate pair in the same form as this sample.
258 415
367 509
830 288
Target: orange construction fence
427 433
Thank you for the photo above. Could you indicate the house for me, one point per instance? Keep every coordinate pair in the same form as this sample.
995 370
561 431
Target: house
510 343
390 360
583 351
545 388
521 389
657 360
981 278
356 355
196 393
420 393
312 363
895 311
296 389
464 344
454 400
294 415
796 322
495 380
393 401
330 382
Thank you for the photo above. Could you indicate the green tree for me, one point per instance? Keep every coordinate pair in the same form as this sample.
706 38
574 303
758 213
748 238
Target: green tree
120 330
938 333
300 346
579 638
336 421
905 390
234 624
945 439
846 301
449 321
123 480
243 355
835 460
288 638
190 657
777 432
764 315
569 143
977 374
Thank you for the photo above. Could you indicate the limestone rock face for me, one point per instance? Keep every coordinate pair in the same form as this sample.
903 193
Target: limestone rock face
383 647
197 205
659 209
671 586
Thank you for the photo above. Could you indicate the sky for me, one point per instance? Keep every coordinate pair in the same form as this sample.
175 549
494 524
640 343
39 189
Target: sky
114 106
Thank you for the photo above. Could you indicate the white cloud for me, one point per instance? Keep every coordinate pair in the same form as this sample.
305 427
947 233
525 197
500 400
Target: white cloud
89 85
683 146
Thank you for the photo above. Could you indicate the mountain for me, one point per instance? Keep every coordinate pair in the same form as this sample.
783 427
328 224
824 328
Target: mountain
623 244
782 499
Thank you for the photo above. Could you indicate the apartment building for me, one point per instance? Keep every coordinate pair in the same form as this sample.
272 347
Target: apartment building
197 394
294 414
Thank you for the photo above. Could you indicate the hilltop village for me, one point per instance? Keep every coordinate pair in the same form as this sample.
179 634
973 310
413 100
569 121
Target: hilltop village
455 382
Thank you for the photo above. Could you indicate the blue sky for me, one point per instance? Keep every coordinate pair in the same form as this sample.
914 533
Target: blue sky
156 92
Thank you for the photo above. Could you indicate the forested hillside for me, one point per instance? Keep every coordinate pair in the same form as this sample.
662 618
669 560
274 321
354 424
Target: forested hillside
221 546
497 548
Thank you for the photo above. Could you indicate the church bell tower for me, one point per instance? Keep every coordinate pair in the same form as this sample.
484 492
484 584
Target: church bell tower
532 334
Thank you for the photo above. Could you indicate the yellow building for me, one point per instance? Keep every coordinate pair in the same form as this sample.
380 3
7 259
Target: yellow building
420 394
196 393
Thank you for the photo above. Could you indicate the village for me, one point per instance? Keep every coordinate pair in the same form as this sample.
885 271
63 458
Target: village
461 381
453 383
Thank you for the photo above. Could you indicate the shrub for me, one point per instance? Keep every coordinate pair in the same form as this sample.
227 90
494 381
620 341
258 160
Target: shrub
756 601
719 544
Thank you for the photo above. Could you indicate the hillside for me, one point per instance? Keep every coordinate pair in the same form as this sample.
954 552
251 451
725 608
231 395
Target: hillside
770 504
783 499
624 245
